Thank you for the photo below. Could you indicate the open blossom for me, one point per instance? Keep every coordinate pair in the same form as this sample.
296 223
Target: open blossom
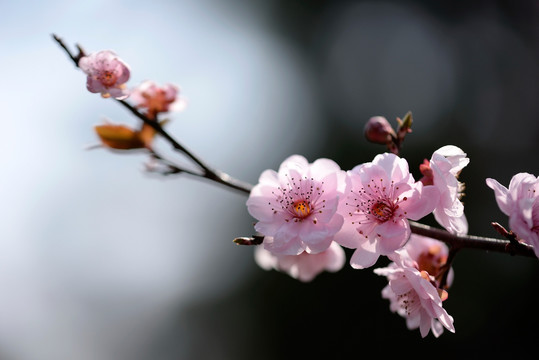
297 206
304 267
156 99
413 295
521 203
442 171
382 197
107 74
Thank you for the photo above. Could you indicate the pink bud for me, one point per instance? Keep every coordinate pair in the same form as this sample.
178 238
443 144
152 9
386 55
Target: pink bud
378 130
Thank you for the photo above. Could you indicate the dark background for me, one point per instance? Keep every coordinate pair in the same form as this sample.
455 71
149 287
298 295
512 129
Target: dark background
99 260
468 71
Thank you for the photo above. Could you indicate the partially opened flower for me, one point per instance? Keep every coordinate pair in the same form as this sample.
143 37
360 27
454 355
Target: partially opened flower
297 206
382 197
442 171
413 295
521 203
304 267
430 255
156 99
107 74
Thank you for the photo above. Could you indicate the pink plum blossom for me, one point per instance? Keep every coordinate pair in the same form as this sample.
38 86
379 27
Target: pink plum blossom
521 203
442 171
304 267
413 294
382 197
430 255
156 99
107 74
297 206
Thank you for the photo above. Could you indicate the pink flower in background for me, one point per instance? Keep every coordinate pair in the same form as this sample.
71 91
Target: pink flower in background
442 171
521 203
413 295
430 255
156 99
383 195
304 267
107 74
297 206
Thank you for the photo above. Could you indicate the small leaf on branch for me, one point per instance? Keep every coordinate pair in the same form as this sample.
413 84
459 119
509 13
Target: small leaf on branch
120 137
406 123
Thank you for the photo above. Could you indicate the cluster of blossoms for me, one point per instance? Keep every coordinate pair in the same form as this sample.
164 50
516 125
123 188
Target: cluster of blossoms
107 74
307 212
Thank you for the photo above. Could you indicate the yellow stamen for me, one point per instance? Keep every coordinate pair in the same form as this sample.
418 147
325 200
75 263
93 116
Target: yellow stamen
302 209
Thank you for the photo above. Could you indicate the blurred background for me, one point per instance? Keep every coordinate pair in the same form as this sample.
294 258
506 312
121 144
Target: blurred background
99 260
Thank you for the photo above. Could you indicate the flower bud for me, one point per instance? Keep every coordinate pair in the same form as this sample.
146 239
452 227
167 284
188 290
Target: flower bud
378 130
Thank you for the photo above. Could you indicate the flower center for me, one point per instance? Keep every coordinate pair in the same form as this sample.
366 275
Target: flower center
382 211
302 208
108 78
432 260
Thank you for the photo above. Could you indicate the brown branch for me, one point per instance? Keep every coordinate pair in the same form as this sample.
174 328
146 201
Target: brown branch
456 242
473 242
207 171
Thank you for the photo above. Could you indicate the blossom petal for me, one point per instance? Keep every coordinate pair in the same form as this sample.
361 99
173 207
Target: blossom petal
501 194
393 236
424 201
455 225
394 166
348 236
293 247
323 167
365 256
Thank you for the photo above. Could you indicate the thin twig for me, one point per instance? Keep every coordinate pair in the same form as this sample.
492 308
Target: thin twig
456 242
208 172
473 242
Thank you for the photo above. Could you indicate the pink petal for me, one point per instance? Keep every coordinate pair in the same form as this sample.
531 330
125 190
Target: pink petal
292 247
364 256
348 236
422 203
392 236
501 194
400 285
94 85
269 177
323 167
294 162
394 166
118 93
335 257
265 259
424 325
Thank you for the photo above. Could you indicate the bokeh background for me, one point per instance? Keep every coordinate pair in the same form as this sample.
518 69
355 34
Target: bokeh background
99 260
